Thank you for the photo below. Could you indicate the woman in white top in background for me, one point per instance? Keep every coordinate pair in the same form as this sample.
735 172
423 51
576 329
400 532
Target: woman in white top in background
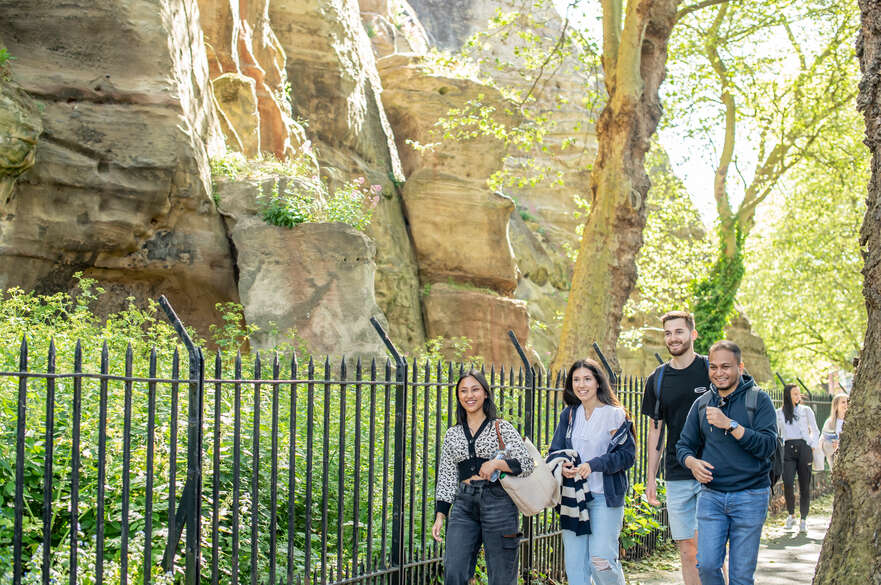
832 427
797 425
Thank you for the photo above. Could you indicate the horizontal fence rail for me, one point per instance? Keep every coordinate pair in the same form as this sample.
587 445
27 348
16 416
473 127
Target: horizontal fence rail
278 471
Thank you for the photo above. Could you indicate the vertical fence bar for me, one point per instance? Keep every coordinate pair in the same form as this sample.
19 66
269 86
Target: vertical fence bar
148 506
356 492
172 462
126 466
49 441
386 464
273 483
292 470
310 428
412 467
215 480
399 460
341 475
236 465
371 441
255 469
325 469
17 567
75 462
529 386
102 464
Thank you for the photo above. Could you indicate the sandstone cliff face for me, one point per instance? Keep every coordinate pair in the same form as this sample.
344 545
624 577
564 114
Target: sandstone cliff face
120 187
335 85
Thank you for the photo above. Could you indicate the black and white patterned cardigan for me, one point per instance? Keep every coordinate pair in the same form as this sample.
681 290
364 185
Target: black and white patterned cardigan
455 450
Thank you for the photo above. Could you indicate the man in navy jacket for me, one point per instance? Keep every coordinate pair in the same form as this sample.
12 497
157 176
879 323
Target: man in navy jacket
728 450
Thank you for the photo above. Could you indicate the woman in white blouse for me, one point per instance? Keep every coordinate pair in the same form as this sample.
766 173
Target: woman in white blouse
797 425
599 431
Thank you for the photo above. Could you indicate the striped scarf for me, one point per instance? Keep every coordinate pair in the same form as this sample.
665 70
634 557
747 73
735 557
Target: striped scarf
575 493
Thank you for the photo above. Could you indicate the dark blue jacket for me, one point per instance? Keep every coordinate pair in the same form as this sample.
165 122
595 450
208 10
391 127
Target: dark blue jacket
619 457
737 465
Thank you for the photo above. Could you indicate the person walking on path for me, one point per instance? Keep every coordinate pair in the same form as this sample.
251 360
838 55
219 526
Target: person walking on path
727 442
832 428
597 428
668 395
798 427
468 471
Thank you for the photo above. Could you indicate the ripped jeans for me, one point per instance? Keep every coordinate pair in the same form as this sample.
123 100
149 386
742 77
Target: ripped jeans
482 513
595 554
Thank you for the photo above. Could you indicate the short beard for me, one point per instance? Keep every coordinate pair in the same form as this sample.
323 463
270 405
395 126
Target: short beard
684 349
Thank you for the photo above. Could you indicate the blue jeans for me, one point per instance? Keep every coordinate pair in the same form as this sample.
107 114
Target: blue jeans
595 554
736 518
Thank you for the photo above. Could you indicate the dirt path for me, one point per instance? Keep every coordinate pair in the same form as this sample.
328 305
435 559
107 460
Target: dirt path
785 557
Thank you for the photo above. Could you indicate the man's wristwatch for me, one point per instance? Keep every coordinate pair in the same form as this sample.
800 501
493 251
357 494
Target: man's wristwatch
733 425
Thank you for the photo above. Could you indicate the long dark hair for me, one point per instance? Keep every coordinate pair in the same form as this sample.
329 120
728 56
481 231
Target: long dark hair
788 406
605 394
489 407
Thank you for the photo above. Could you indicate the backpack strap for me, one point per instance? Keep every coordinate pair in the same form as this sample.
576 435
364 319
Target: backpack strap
658 378
702 402
752 400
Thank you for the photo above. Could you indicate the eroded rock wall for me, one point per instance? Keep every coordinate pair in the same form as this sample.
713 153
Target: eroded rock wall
120 188
336 86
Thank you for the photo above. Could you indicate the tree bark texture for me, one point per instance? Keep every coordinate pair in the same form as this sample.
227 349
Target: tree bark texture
852 548
634 66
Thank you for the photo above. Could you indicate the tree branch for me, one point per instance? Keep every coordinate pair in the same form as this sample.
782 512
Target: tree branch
612 14
695 7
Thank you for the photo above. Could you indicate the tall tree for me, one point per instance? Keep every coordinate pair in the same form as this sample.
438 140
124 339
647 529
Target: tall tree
634 64
851 547
785 116
804 245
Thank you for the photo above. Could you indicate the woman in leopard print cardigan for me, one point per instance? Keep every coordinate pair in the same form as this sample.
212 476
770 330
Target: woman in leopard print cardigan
482 512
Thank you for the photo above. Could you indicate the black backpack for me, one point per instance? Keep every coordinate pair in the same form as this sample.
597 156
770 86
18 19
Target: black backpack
752 399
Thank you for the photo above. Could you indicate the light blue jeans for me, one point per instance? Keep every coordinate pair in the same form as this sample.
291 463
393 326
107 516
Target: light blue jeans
595 554
736 518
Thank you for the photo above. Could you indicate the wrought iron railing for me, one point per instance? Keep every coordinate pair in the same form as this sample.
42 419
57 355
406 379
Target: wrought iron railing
313 473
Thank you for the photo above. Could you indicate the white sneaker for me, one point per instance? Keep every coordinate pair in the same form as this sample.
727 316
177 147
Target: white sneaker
790 522
803 525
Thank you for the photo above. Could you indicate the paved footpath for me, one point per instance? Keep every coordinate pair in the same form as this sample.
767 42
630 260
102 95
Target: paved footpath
785 557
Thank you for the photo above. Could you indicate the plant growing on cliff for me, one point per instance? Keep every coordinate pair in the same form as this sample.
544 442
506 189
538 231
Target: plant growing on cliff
352 203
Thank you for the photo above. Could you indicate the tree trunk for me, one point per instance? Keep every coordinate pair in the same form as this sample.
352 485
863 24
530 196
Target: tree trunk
605 271
852 547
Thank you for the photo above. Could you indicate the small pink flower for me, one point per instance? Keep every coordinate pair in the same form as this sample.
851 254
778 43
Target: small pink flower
360 181
376 189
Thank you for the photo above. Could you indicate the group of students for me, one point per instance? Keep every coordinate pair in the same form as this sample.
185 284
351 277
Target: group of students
721 432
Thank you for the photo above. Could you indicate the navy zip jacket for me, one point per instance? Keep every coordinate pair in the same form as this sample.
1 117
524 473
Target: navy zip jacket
737 465
618 458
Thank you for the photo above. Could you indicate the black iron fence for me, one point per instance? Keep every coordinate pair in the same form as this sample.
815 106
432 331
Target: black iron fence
313 473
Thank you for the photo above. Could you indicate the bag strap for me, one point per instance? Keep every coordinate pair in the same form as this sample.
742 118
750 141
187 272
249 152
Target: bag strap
499 436
702 404
752 400
569 428
659 376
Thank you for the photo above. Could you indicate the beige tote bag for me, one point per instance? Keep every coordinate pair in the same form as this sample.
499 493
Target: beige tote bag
536 491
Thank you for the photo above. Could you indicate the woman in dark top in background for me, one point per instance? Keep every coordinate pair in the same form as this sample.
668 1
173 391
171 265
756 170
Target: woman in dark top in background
467 481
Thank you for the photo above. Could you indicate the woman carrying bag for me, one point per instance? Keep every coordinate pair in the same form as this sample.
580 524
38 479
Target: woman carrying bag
469 492
597 434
